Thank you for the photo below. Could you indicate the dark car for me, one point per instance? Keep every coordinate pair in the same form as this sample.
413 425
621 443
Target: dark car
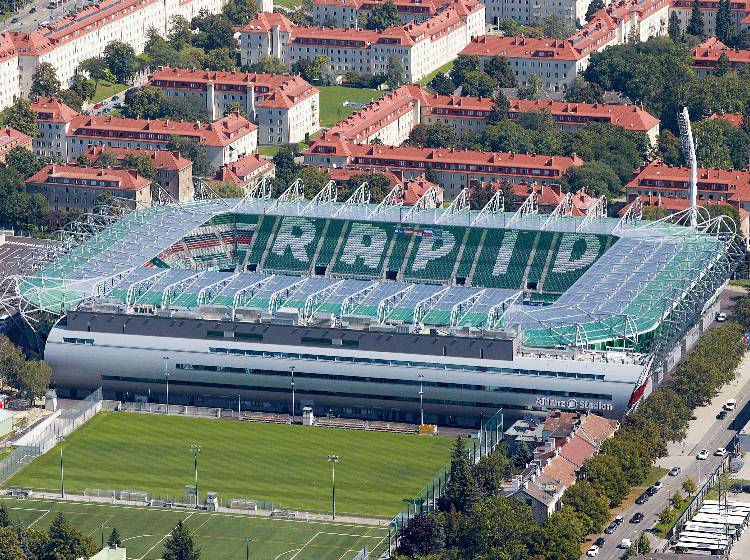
14 20
637 518
746 488
32 10
651 491
722 414
611 528
599 542
642 499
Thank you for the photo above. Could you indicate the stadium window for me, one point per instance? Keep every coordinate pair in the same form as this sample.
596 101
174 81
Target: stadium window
248 335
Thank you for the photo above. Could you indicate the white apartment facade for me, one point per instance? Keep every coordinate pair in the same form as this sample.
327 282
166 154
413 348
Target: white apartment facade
285 108
420 48
345 13
9 88
740 12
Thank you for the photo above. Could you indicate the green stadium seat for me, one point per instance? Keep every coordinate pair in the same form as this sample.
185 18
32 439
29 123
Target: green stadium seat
434 256
363 249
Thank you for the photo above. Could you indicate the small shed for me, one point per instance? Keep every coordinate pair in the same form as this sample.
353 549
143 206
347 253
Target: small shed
50 400
6 422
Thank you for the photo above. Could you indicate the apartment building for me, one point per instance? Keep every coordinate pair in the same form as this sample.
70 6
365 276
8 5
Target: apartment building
66 43
390 119
66 134
72 187
420 47
706 56
246 172
174 173
740 13
345 13
455 169
10 139
285 108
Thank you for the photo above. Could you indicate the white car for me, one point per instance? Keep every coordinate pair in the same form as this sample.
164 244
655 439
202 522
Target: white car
721 317
731 404
593 551
625 543
721 452
702 455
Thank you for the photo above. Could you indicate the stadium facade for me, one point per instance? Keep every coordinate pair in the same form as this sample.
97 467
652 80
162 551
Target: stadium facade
367 305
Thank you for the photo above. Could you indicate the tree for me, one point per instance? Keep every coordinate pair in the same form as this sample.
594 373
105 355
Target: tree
561 536
82 86
10 544
594 7
582 91
605 475
462 66
4 515
220 59
107 158
689 486
71 99
589 504
695 24
745 124
673 28
97 69
382 16
195 152
668 409
521 456
114 539
498 527
228 190
240 12
724 27
313 179
643 544
461 489
477 84
22 117
141 163
378 184
432 136
121 61
442 84
286 168
44 82
395 72
24 161
180 34
33 378
711 143
555 27
268 64
145 103
668 148
596 177
500 108
531 89
499 70
67 543
723 66
214 32
179 544
491 470
678 501
423 535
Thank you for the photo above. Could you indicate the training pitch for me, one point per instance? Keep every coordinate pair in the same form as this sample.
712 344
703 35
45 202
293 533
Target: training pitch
286 465
219 536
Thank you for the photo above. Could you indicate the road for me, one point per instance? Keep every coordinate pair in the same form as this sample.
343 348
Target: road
705 431
28 21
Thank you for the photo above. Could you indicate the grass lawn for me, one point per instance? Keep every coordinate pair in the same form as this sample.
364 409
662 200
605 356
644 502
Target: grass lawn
219 536
286 465
444 69
268 150
332 98
288 4
106 89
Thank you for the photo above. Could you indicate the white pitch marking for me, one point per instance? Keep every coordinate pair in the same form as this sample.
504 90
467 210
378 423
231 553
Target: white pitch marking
37 519
164 537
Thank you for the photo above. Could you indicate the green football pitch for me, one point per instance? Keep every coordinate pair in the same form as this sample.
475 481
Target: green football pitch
285 465
219 536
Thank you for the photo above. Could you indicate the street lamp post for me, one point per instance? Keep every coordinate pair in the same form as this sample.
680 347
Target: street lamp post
333 459
166 378
292 370
421 399
61 439
248 540
195 448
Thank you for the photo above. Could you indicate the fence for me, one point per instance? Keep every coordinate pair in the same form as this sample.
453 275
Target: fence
174 409
485 442
37 442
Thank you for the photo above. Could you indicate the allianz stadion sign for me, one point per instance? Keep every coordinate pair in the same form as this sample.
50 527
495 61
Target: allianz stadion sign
572 404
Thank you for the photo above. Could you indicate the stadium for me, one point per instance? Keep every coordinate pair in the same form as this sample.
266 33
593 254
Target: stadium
369 308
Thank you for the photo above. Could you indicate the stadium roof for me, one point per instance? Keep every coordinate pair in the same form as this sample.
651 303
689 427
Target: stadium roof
628 292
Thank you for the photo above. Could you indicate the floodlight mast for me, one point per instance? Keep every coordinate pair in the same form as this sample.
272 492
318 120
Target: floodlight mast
688 151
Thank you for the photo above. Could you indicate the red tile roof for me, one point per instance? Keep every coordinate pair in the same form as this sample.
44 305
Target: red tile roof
707 54
523 47
267 20
598 428
630 117
359 126
222 132
7 48
735 119
244 169
280 90
11 138
121 179
162 159
53 109
342 175
418 187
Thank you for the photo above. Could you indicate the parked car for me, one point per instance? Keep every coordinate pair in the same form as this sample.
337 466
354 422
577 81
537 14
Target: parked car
721 317
722 414
731 404
702 455
32 10
674 471
746 488
611 528
600 542
116 98
625 543
14 20
642 499
657 485
593 551
637 517
721 452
